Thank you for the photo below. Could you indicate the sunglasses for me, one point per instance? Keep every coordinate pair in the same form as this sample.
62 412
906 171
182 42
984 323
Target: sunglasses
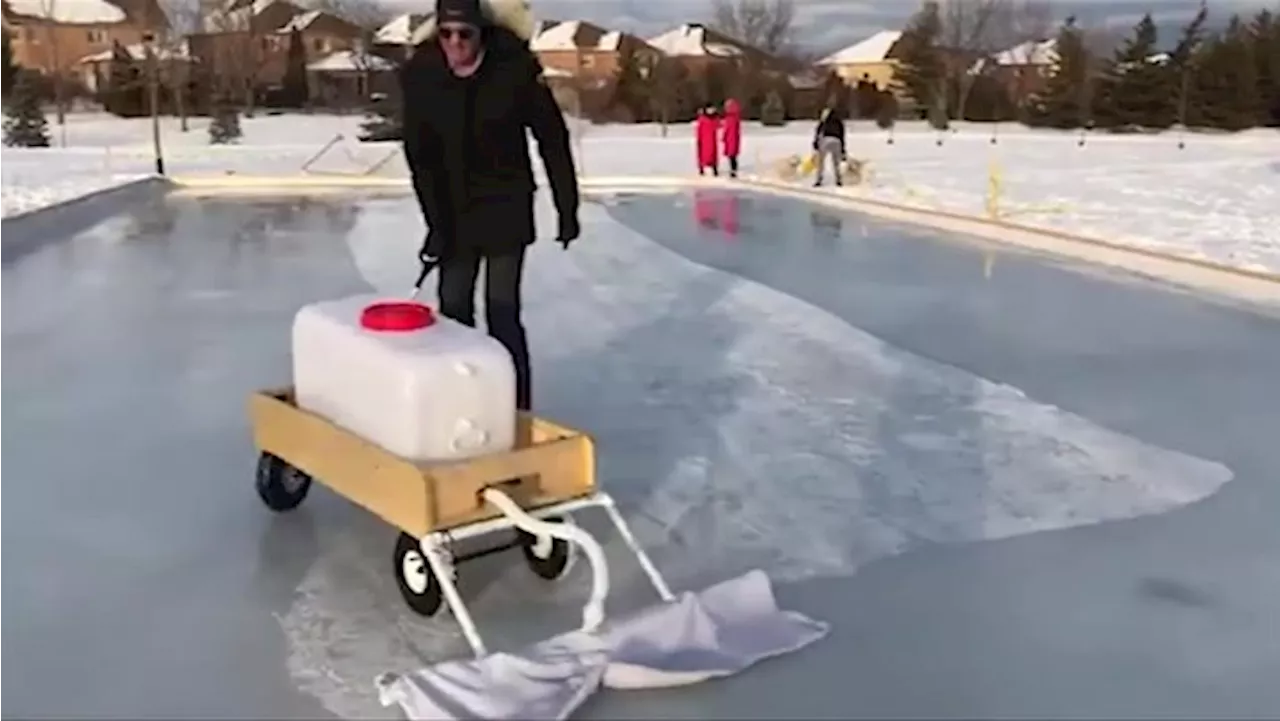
463 33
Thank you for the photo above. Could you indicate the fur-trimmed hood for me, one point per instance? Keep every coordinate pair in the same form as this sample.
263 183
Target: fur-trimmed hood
516 16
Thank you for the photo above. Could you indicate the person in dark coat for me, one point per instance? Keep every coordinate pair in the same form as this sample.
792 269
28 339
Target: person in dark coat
829 144
469 94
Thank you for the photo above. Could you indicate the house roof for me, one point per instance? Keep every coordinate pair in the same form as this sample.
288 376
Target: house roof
350 61
576 35
874 49
77 12
301 21
138 51
696 40
401 28
1032 52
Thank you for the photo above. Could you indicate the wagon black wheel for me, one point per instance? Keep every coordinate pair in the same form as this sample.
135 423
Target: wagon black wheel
281 486
548 557
418 585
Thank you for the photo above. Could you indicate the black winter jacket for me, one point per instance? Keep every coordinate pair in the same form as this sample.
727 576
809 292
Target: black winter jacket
465 142
830 126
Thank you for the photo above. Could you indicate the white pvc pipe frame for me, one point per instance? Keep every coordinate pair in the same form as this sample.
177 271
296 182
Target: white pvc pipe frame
435 548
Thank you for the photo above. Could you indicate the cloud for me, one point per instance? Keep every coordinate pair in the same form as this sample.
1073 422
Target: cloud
830 24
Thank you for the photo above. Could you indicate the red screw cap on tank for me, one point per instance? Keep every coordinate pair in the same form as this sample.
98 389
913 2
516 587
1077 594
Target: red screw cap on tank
396 316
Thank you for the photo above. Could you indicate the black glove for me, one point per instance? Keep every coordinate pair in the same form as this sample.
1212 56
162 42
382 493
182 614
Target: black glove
569 230
434 247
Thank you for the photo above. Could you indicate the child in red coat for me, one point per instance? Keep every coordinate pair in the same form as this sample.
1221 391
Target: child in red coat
708 146
732 133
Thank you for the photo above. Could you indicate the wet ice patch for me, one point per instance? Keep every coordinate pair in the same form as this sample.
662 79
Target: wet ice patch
384 243
739 428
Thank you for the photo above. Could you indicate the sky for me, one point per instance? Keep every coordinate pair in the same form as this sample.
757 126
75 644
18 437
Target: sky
825 25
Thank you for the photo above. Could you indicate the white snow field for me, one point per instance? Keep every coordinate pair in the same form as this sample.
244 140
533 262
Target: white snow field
1217 199
809 449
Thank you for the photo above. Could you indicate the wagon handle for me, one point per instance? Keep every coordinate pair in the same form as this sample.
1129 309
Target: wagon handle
593 612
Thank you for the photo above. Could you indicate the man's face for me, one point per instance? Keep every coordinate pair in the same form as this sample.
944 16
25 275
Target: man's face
460 41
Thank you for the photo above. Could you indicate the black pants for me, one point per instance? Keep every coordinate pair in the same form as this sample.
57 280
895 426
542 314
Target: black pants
733 166
502 280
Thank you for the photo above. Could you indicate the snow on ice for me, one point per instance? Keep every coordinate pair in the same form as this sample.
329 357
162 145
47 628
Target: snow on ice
803 422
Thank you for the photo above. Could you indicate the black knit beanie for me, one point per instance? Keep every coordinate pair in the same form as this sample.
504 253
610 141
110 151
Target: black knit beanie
460 11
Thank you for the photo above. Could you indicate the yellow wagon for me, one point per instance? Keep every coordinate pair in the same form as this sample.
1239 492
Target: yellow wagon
532 490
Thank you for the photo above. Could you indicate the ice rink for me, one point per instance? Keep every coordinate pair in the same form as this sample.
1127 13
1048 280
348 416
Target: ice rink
1015 486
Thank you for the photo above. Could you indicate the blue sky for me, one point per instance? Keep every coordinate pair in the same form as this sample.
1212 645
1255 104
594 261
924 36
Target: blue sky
830 24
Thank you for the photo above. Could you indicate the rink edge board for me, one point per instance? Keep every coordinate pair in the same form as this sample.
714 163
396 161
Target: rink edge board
550 464
30 230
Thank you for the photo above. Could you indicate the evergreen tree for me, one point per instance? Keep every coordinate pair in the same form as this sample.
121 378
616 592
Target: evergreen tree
24 124
920 73
10 67
1136 91
1180 66
774 111
224 127
1064 102
1265 32
125 93
1225 86
296 90
631 89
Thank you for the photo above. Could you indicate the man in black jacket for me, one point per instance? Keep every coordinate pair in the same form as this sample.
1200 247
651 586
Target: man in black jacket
469 93
828 143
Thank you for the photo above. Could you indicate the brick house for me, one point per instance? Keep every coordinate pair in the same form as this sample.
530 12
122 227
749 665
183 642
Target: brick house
246 44
698 48
587 51
54 35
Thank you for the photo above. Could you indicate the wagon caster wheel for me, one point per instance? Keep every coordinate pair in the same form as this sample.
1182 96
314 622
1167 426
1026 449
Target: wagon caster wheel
281 486
548 557
418 585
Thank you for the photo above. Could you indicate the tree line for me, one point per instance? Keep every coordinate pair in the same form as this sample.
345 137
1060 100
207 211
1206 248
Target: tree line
1226 78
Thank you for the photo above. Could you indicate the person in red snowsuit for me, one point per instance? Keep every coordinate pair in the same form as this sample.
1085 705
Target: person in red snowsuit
731 129
708 145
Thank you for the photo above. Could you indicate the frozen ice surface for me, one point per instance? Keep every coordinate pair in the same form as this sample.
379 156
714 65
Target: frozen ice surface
740 421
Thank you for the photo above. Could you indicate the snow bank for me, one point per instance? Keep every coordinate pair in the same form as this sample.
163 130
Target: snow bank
1218 199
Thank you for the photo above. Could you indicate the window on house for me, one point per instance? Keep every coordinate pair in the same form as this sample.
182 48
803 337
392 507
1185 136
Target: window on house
32 36
97 37
320 45
588 62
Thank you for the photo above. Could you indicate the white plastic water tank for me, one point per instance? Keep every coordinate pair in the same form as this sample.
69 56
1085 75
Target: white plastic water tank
419 385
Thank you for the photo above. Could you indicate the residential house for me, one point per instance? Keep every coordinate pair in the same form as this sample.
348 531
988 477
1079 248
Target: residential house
396 39
53 35
349 78
246 43
872 60
698 48
1023 70
589 52
94 71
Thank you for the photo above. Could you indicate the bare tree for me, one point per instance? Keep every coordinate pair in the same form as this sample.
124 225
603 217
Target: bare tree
367 14
185 18
975 30
1022 31
763 24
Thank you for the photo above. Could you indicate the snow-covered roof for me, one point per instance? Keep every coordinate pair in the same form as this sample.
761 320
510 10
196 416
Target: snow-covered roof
138 51
556 73
693 39
236 15
400 30
874 49
300 21
1032 52
350 61
576 35
78 12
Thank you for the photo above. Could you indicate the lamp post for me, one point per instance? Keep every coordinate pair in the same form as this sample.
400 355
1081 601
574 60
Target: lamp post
153 93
